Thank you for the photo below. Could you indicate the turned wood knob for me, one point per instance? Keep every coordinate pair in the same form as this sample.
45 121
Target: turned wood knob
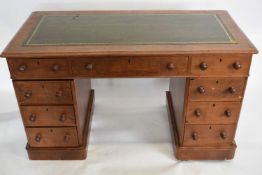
89 67
32 117
22 67
170 66
67 137
203 66
232 90
38 138
194 136
63 117
223 135
55 67
197 113
59 93
28 94
227 113
237 65
201 89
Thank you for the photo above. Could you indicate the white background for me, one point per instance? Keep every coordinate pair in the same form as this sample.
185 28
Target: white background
130 132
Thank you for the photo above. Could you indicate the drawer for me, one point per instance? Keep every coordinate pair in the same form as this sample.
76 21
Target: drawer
52 137
43 92
216 89
48 115
38 68
234 65
130 66
209 135
213 112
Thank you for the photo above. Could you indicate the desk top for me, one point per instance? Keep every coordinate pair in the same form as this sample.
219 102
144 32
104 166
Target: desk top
128 33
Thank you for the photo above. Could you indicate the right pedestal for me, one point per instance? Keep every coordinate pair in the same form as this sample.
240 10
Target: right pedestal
198 152
203 116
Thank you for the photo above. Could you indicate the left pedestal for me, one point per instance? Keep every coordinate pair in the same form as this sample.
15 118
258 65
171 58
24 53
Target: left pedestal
57 116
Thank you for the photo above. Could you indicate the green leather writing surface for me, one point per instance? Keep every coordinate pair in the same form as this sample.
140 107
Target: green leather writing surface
129 29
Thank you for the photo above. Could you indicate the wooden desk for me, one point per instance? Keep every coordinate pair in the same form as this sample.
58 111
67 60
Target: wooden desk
55 54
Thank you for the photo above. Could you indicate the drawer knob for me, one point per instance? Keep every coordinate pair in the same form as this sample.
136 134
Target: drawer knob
59 93
32 117
28 94
67 137
38 138
223 135
203 66
232 90
89 67
63 117
195 136
22 67
227 113
55 67
237 65
197 113
201 89
170 66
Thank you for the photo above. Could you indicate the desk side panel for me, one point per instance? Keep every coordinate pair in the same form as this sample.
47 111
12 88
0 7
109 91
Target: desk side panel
177 88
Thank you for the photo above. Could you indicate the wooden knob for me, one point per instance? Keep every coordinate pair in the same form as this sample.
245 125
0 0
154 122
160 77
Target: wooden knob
203 66
223 135
63 117
55 67
170 66
232 90
59 93
237 65
227 113
22 67
197 113
194 136
201 89
89 67
32 117
67 137
38 138
28 94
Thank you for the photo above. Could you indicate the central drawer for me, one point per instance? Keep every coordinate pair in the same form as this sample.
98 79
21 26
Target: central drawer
52 137
130 66
43 92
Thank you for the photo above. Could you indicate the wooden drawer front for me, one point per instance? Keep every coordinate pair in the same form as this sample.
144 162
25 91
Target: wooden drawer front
213 112
52 137
209 135
216 89
48 115
38 68
43 92
130 66
233 65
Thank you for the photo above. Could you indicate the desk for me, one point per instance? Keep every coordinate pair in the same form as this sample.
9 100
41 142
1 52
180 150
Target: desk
54 56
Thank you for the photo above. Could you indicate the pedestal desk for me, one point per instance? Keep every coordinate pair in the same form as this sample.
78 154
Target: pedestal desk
55 54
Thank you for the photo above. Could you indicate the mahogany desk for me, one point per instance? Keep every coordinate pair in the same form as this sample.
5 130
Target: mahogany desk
55 54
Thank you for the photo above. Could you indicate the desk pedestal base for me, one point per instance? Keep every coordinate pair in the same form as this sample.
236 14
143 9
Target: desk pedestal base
67 153
195 153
